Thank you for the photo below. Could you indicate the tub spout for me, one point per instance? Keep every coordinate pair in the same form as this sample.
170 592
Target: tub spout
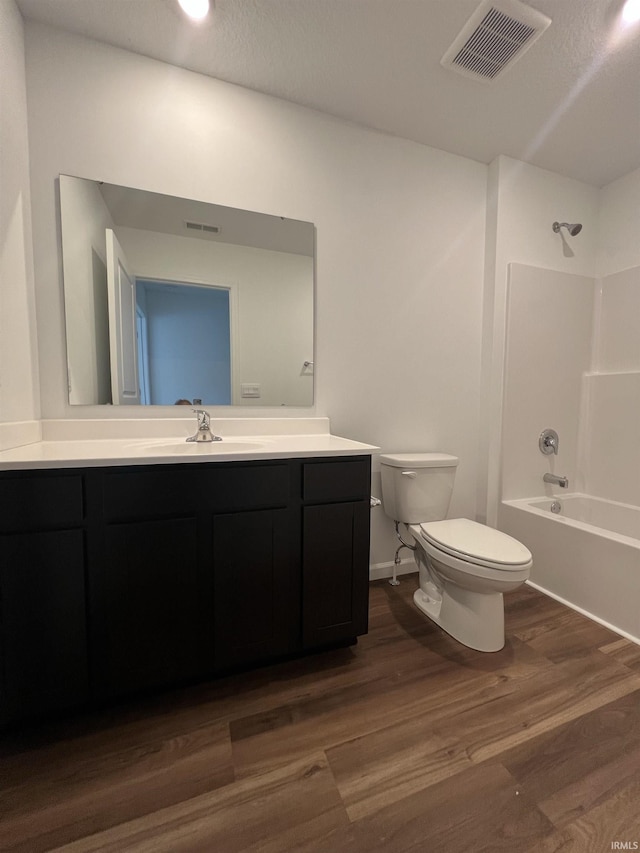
563 482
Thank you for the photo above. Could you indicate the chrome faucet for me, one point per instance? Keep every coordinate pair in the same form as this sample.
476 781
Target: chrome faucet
563 482
203 433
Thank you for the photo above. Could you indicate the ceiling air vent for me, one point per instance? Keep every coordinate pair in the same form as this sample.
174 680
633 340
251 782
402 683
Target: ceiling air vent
202 226
495 36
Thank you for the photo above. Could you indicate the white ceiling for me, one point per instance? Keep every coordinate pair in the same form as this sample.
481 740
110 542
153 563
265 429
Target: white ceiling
571 104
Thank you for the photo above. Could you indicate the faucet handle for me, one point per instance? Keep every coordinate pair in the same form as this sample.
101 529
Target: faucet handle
548 442
203 418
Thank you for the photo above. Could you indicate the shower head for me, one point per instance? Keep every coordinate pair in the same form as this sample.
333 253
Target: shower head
572 229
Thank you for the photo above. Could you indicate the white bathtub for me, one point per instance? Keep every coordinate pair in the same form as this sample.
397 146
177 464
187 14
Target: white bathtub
587 555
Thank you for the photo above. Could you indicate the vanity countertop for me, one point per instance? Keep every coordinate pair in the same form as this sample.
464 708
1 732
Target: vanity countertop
75 452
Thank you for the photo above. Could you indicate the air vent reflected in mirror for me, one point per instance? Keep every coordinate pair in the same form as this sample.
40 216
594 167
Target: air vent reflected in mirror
202 226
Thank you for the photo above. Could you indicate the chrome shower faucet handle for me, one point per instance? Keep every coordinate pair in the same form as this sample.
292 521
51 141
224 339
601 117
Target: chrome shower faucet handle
548 442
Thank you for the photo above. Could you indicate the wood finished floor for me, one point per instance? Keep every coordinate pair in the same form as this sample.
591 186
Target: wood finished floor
406 742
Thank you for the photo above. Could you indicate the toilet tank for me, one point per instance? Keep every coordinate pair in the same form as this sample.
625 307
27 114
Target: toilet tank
417 487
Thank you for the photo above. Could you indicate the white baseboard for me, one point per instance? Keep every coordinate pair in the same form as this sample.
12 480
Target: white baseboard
378 571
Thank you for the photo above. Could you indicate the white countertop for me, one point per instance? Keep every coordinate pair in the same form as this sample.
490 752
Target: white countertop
100 452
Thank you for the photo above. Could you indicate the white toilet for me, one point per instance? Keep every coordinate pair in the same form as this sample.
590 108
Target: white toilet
464 566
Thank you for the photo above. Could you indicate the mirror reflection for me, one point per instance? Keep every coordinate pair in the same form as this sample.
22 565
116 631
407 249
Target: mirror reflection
173 301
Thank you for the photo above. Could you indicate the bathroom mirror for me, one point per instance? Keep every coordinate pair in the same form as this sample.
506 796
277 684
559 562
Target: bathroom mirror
170 300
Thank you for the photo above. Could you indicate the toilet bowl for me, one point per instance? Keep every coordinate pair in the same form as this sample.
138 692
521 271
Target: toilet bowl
464 567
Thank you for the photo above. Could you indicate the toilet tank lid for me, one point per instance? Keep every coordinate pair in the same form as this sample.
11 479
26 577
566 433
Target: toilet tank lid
419 460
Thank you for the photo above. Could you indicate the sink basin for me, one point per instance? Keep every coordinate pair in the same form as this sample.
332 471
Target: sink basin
203 448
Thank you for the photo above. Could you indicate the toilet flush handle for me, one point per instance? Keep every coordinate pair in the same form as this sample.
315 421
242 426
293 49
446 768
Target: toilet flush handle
411 474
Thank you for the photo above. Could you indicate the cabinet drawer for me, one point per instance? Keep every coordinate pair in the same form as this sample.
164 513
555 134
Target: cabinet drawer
40 503
170 491
246 487
329 481
153 493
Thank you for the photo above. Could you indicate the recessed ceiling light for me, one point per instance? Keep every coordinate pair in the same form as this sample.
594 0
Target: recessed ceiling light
631 11
196 9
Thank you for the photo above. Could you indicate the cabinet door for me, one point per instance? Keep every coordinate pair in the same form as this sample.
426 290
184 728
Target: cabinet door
145 606
335 572
256 591
43 643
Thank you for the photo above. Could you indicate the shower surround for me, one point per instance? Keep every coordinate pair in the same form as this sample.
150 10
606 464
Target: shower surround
573 365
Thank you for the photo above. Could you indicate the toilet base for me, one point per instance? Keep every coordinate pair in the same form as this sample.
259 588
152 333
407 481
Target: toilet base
474 619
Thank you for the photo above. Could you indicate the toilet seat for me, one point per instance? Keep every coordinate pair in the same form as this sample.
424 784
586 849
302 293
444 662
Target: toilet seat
477 544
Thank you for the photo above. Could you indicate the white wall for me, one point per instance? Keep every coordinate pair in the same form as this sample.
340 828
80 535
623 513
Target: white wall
525 201
400 234
84 218
619 225
19 391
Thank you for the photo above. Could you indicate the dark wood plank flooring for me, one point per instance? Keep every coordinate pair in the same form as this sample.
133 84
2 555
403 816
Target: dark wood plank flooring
406 742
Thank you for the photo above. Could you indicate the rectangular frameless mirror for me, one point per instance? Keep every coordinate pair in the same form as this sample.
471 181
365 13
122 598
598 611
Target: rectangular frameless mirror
169 300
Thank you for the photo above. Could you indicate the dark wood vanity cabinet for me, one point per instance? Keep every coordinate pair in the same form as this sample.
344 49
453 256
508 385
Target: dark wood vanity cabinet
43 636
116 580
193 572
